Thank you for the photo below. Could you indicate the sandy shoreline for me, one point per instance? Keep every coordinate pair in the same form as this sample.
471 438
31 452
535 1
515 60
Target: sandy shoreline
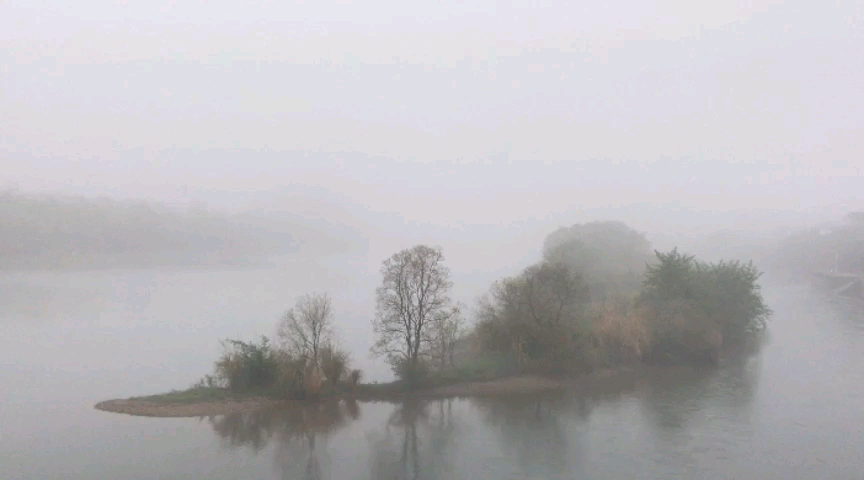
148 408
515 385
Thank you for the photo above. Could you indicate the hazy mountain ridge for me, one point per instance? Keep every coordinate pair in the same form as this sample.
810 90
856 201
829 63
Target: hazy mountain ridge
51 231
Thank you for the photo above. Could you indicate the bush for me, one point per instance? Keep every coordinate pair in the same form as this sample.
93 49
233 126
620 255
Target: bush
334 364
620 331
538 318
246 366
207 381
412 373
695 309
290 375
354 378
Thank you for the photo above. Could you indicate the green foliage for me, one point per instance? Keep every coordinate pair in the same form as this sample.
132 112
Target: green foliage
247 365
698 308
537 318
595 300
207 381
193 395
411 371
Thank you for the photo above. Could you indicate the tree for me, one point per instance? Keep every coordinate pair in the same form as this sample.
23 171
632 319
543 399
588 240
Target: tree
307 328
445 331
610 255
553 294
414 291
538 315
697 308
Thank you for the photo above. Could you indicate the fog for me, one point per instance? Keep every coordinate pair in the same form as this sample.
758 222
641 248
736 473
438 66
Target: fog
176 173
451 114
441 115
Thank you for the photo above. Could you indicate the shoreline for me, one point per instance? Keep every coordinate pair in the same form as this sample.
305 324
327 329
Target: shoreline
215 402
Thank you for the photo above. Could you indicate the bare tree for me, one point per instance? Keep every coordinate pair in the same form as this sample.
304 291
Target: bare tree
445 331
553 294
414 290
307 328
534 314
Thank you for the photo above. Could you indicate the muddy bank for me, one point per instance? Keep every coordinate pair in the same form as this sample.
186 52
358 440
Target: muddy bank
176 405
220 402
150 408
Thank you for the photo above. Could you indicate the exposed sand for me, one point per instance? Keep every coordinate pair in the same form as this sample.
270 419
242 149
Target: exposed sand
147 408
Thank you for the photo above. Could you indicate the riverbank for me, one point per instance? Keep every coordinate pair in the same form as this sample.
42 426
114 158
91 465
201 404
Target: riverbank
204 402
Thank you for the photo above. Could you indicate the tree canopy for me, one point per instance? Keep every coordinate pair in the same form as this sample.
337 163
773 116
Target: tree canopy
610 255
414 292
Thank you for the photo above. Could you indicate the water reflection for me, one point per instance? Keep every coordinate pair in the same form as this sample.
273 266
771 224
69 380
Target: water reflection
671 400
531 430
417 442
300 434
670 415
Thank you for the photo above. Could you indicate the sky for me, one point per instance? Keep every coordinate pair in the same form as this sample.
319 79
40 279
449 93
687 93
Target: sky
444 113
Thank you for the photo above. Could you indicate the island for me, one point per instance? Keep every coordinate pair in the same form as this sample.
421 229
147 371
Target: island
600 306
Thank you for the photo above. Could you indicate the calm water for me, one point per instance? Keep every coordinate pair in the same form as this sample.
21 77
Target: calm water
68 340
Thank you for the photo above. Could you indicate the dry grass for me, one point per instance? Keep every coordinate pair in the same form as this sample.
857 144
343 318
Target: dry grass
622 331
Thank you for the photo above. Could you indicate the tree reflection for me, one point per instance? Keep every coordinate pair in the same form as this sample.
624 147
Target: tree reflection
417 442
300 434
672 399
531 431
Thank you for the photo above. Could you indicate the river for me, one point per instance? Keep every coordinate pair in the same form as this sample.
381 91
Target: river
69 340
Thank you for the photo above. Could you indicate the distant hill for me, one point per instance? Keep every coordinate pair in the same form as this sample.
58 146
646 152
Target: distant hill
832 246
45 231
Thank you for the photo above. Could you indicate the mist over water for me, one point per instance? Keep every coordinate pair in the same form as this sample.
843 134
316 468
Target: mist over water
175 173
790 412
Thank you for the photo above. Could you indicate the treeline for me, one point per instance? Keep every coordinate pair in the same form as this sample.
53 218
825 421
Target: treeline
589 304
598 298
49 232
822 249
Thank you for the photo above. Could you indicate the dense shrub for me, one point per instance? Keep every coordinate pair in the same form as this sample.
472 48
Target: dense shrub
291 378
695 309
334 364
414 373
285 370
620 331
247 365
537 318
685 311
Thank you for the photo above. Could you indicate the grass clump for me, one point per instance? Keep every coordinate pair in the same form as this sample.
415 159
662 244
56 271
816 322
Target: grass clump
196 394
247 365
304 364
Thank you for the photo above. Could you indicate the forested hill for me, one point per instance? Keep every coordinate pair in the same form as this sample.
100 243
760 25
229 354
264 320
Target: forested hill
42 231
